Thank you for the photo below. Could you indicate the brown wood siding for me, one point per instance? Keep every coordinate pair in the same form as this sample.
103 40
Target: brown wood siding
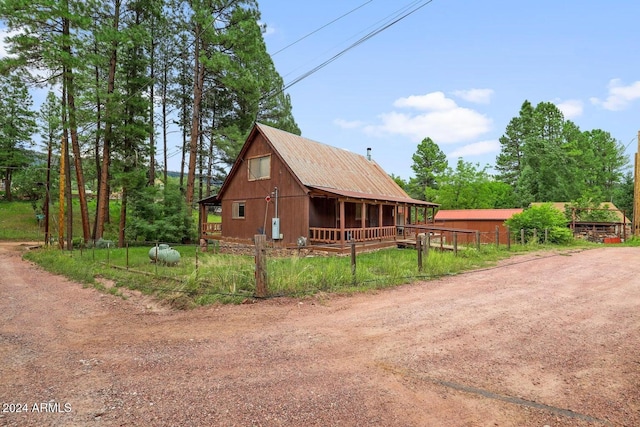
323 212
293 207
388 217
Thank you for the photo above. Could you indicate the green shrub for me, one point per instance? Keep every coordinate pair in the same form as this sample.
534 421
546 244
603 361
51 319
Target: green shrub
541 218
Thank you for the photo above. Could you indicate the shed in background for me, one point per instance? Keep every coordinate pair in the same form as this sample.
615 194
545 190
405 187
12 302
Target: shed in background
483 220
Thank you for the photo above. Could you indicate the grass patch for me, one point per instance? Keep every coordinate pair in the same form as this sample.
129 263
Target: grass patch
18 220
208 278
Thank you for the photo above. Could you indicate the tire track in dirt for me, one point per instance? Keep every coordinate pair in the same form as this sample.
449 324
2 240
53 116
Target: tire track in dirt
561 331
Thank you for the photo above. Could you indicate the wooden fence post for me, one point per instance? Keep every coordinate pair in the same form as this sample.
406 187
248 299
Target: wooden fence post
508 238
535 235
427 245
478 239
353 262
497 236
261 271
419 248
455 243
522 236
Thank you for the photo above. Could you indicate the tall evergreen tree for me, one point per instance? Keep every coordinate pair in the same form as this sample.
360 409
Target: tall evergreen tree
17 123
509 162
47 40
429 162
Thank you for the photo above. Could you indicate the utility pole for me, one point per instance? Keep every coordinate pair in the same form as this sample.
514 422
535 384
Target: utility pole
636 192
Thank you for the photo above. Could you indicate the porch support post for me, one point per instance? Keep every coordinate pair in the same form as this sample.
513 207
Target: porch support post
407 220
202 219
380 224
342 222
363 217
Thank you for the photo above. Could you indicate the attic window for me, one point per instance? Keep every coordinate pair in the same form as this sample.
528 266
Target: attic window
260 168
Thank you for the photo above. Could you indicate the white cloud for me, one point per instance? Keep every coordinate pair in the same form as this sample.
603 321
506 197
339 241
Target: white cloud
620 96
431 101
478 96
345 124
476 149
571 108
444 122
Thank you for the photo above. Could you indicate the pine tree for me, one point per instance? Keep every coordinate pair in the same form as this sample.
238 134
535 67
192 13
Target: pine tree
17 123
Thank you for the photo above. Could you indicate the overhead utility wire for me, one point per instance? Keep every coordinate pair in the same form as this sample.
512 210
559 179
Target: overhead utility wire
339 54
376 24
324 26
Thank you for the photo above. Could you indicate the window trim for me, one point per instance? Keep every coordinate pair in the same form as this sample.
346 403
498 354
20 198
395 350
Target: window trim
256 158
235 209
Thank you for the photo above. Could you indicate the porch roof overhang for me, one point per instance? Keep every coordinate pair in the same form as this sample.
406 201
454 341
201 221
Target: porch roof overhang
333 192
210 200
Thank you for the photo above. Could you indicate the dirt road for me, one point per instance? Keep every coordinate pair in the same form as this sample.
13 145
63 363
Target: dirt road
541 340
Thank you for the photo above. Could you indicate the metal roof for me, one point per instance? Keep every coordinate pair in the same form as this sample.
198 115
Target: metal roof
604 205
333 169
476 214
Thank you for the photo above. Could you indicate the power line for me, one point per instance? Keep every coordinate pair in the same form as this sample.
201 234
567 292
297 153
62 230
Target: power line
322 27
352 46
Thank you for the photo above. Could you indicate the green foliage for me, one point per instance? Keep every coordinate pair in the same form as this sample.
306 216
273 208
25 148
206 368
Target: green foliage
16 126
470 187
30 183
159 214
623 195
586 210
429 162
541 218
546 158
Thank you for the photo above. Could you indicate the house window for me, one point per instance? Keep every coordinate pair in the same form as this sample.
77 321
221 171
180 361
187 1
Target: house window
260 168
237 210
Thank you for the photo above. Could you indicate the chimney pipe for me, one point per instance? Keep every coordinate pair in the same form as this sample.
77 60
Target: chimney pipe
369 153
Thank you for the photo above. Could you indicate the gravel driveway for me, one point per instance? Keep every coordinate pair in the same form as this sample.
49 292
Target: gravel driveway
545 339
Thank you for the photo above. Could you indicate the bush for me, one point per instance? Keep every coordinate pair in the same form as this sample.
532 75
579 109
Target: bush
540 218
159 215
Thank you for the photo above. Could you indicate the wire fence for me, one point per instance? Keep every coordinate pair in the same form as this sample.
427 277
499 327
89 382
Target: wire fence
234 272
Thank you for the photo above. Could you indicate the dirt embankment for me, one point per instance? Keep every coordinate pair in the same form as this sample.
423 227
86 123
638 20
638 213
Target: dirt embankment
544 339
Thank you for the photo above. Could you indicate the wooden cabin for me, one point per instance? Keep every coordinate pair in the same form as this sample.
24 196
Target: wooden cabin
300 192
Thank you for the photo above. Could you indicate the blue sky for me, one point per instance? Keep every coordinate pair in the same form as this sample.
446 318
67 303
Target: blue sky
456 71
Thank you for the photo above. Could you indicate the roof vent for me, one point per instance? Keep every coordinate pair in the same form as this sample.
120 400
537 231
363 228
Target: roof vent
369 153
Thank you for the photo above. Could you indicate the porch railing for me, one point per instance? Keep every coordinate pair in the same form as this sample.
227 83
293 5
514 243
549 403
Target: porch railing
211 228
333 235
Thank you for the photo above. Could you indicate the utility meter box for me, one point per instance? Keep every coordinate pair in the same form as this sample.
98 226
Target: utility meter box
275 229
